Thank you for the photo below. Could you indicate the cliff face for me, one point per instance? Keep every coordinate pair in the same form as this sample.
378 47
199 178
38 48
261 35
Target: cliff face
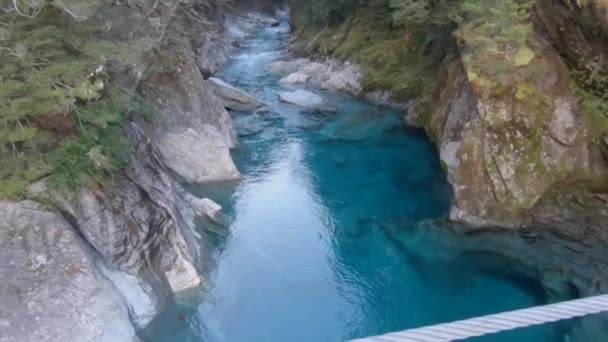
514 139
511 92
119 228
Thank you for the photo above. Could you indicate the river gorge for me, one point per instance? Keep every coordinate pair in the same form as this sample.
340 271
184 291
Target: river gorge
275 171
322 247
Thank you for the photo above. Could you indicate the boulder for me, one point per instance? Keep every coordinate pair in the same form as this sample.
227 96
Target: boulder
360 126
284 68
294 78
233 98
206 208
305 99
346 78
50 288
198 156
328 74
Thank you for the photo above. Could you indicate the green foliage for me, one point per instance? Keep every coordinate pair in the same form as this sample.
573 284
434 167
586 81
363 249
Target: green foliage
90 158
410 12
322 12
595 107
18 172
52 70
404 42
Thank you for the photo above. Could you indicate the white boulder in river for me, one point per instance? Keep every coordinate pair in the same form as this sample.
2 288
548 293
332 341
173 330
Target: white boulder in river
198 156
294 78
204 207
305 99
50 289
233 98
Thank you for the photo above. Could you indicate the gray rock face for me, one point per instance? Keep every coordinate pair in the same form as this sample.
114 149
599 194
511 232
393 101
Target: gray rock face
305 99
198 156
142 229
233 98
112 256
187 102
50 288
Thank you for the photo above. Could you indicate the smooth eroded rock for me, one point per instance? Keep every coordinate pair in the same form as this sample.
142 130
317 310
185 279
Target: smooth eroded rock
50 288
295 78
305 99
233 98
198 156
204 207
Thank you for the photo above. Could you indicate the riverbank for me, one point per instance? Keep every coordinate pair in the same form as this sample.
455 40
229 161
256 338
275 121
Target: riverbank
98 243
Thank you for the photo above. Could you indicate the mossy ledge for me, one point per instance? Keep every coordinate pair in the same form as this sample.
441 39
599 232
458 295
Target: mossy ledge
528 115
71 77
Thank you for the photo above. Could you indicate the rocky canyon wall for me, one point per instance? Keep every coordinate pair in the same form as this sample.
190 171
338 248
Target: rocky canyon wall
97 262
512 106
511 92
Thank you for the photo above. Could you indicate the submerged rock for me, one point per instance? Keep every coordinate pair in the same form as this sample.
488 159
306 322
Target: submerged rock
365 125
233 98
306 99
50 288
198 156
272 22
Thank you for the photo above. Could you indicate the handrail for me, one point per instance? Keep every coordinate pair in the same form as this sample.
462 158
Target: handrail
495 323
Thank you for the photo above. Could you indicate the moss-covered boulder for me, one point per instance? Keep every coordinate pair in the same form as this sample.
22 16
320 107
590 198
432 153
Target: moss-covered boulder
509 137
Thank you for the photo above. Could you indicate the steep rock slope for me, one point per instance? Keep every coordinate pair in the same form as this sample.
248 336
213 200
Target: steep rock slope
123 120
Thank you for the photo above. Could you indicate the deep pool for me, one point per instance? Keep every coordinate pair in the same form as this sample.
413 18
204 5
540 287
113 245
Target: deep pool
316 252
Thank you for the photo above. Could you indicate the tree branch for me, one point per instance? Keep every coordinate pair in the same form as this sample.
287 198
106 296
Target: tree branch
29 16
74 16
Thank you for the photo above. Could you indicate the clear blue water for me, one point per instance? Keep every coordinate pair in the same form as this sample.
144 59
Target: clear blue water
321 247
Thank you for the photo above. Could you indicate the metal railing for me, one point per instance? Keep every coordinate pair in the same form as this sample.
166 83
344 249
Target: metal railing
495 323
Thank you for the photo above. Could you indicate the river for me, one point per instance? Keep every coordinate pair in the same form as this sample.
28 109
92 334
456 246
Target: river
315 251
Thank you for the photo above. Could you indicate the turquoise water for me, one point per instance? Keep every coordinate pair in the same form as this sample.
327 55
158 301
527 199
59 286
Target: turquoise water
321 247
